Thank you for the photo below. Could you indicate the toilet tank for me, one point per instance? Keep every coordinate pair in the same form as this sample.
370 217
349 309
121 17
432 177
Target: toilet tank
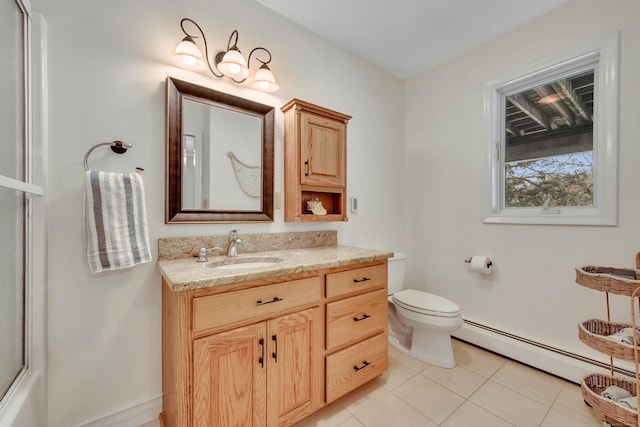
395 273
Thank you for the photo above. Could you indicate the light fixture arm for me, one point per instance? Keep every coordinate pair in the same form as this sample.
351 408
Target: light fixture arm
264 63
235 43
258 59
204 39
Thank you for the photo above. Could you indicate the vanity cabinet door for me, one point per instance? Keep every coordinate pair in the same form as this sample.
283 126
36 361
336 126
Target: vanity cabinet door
270 373
295 374
229 378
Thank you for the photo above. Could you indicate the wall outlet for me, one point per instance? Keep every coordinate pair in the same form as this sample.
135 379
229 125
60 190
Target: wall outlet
277 200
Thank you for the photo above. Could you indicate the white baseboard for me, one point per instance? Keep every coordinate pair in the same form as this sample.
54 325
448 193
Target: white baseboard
566 366
133 416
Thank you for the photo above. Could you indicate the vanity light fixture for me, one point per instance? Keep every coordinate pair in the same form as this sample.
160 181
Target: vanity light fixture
230 63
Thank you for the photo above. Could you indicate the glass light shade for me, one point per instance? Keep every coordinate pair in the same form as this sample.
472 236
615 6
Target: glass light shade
263 80
188 55
234 65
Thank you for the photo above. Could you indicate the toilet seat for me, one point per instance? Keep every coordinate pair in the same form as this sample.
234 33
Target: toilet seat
426 303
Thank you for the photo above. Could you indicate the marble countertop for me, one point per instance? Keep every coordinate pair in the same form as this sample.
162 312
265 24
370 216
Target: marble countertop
186 273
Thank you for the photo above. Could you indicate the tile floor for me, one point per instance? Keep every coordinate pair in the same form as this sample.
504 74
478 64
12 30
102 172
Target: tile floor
483 390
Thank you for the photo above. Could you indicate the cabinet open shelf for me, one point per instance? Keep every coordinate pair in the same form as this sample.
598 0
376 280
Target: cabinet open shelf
332 201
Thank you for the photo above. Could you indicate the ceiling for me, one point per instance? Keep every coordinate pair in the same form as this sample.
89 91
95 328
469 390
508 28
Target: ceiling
550 119
408 37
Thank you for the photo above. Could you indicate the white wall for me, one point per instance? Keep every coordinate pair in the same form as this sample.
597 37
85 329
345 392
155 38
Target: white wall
532 291
108 63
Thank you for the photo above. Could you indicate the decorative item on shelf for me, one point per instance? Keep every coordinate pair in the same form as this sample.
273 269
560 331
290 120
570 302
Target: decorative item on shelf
315 206
230 63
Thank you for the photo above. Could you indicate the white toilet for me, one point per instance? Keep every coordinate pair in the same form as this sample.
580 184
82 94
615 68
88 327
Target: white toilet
420 324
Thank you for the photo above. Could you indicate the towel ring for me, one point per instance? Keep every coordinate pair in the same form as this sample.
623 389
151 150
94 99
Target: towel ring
117 147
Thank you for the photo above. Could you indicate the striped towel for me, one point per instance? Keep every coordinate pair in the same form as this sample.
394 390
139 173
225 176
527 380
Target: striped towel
115 220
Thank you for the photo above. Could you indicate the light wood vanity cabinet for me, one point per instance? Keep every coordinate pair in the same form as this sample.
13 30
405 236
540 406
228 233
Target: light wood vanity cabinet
348 369
228 386
351 319
272 351
315 140
356 328
220 311
233 371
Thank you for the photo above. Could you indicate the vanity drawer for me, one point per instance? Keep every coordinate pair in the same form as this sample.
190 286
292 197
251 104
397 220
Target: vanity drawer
254 304
356 280
355 365
352 319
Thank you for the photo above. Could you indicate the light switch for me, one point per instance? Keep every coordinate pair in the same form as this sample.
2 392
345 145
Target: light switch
354 205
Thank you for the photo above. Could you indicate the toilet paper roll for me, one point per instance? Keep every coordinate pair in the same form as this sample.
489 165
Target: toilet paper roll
481 264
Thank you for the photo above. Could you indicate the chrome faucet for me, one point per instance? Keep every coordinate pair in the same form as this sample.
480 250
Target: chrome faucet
234 241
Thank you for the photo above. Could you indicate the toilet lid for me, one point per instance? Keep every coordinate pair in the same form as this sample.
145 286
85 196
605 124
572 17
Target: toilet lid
423 302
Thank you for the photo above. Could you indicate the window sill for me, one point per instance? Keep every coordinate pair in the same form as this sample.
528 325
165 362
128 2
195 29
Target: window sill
566 216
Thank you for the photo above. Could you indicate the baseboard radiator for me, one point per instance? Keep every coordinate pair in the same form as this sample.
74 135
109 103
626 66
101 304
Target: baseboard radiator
559 362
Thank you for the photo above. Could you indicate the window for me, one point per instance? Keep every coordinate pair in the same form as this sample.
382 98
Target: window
553 138
12 200
22 302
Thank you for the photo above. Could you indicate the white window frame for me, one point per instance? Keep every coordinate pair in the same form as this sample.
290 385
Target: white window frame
605 138
25 402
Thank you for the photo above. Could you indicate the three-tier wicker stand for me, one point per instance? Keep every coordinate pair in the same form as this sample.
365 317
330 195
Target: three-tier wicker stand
595 332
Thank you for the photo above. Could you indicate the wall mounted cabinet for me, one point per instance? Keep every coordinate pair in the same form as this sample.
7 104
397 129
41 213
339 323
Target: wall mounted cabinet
315 147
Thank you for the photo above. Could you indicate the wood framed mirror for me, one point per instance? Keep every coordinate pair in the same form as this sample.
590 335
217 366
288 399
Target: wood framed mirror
219 156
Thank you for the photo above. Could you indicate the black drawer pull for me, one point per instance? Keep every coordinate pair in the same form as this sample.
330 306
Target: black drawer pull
364 365
275 299
364 316
364 279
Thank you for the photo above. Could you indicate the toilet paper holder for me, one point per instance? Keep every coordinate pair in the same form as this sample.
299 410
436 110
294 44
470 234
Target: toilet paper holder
468 261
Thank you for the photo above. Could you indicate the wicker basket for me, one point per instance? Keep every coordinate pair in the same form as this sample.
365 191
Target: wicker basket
595 332
619 281
594 384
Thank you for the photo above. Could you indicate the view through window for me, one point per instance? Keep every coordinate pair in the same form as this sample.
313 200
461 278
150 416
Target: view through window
548 145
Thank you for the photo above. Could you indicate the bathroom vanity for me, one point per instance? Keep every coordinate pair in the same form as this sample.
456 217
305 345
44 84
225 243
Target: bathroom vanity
270 337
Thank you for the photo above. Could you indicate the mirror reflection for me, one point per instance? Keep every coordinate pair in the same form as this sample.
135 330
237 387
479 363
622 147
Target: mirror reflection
219 156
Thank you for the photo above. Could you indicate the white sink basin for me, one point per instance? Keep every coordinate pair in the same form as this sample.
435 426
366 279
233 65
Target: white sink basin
244 263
